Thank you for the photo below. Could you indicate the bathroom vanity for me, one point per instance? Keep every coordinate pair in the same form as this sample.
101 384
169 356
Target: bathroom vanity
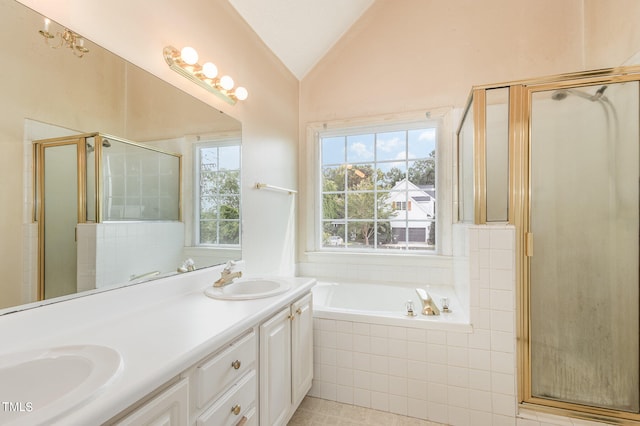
184 358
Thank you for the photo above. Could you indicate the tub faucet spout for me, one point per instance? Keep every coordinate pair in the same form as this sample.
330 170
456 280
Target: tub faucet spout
428 305
226 276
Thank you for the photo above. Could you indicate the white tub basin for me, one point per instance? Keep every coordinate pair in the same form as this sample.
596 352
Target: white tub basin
248 288
40 385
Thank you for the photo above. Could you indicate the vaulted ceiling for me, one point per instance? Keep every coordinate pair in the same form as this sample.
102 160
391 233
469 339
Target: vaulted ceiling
300 32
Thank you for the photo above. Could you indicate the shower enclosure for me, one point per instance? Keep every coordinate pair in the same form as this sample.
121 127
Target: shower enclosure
84 182
559 158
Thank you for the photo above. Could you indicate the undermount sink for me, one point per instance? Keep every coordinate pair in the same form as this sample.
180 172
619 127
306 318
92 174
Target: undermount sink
38 386
248 288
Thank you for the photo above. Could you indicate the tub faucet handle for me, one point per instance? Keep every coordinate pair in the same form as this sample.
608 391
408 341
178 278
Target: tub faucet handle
409 306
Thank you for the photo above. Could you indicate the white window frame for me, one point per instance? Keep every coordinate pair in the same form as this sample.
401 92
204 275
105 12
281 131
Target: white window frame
221 142
442 119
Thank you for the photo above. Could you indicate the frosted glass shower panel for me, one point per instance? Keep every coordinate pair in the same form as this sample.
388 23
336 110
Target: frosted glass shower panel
465 168
139 183
584 268
497 154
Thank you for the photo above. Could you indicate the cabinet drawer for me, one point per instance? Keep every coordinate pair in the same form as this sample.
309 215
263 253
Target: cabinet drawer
171 407
238 402
215 375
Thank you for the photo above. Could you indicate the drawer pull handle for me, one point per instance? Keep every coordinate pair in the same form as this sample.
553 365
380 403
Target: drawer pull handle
291 317
236 409
242 421
299 311
236 364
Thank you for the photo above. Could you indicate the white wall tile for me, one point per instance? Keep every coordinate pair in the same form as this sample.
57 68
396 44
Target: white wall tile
398 404
362 397
479 359
480 380
417 389
380 401
344 376
459 416
437 393
438 412
379 364
399 367
417 351
417 408
480 400
344 394
344 341
437 373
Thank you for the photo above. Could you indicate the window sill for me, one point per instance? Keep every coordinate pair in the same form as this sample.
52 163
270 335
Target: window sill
380 259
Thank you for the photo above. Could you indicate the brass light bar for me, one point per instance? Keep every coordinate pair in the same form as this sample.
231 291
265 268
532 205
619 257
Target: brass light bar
185 63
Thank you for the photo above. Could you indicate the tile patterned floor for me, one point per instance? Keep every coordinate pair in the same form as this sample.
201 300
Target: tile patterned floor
320 412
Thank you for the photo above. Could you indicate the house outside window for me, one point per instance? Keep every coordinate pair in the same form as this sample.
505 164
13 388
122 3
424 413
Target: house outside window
378 189
217 190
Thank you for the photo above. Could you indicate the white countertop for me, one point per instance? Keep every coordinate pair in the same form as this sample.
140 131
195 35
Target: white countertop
160 328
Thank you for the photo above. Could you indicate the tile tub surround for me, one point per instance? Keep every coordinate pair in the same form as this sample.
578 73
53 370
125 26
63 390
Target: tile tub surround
444 376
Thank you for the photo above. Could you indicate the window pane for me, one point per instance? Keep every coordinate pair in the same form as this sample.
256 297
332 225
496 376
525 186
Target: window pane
333 150
229 232
421 143
360 148
333 178
381 193
229 158
333 234
422 172
391 173
208 232
333 206
391 146
218 186
360 177
360 205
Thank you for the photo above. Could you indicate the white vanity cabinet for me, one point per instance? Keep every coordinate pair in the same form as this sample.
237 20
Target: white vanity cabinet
286 361
224 386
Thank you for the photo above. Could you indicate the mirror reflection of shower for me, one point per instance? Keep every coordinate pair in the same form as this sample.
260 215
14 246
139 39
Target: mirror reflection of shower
105 144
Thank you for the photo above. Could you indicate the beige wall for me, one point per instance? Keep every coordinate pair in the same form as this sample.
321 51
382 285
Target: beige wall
612 34
414 55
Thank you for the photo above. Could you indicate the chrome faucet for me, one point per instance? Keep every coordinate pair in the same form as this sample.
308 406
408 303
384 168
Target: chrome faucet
226 276
428 305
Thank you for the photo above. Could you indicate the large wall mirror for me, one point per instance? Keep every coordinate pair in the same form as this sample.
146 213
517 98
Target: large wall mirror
50 93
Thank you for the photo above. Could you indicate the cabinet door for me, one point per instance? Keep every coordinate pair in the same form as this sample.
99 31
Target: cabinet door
275 369
301 348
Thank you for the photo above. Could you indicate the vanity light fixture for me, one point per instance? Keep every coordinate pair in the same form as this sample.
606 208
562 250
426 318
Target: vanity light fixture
185 63
67 38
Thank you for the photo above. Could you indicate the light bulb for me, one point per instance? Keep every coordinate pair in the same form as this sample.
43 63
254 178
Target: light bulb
209 70
47 21
226 82
189 55
241 93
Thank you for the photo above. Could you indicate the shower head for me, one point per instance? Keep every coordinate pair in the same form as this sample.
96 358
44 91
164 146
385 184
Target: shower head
561 94
105 144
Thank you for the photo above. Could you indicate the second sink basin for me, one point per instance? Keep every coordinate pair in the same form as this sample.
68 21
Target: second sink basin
248 288
43 384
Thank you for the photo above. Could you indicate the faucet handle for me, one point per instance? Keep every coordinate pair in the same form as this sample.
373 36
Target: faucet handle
230 264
